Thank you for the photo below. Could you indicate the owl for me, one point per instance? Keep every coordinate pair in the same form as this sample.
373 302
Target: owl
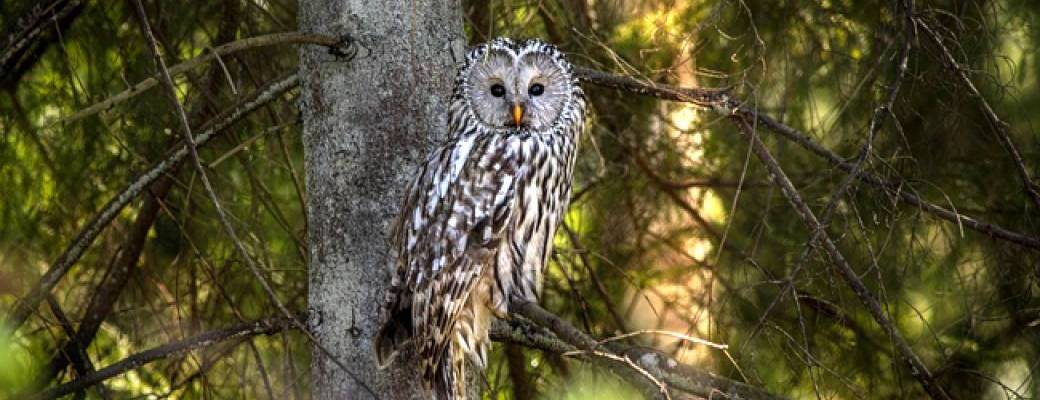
476 225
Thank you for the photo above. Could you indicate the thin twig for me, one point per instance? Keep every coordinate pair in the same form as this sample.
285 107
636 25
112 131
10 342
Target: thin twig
28 304
34 24
171 92
259 327
696 340
917 367
216 52
720 101
663 388
876 120
561 337
676 335
1000 127
704 97
246 143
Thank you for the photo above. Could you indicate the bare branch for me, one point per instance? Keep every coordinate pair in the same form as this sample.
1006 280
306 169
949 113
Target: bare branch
999 126
28 29
704 97
171 92
259 327
333 43
26 305
719 101
917 367
563 337
881 112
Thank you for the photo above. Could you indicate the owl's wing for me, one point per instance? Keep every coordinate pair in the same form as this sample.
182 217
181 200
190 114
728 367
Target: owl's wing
452 218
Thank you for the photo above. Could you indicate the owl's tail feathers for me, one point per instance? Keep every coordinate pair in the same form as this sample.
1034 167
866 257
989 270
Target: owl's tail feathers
395 333
449 376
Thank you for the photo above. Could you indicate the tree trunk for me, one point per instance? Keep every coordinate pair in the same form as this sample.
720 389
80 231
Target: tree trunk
367 121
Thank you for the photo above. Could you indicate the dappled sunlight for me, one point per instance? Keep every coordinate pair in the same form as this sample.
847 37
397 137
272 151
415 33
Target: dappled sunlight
682 304
588 384
1015 376
681 308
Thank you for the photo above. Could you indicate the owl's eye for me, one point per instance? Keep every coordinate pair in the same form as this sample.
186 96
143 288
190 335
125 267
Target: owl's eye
536 89
498 90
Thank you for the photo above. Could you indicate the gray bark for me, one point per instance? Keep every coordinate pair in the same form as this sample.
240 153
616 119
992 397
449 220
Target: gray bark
367 123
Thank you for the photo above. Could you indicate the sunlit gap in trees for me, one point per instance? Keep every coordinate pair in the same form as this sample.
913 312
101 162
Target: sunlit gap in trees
682 304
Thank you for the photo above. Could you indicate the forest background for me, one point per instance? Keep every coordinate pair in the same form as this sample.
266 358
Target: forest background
836 192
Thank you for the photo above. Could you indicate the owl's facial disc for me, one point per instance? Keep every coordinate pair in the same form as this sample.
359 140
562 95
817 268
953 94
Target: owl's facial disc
544 88
510 91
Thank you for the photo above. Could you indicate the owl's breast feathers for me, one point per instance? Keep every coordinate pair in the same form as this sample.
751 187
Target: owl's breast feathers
480 214
450 224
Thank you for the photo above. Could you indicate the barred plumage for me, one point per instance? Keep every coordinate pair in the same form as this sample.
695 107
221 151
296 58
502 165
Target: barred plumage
476 225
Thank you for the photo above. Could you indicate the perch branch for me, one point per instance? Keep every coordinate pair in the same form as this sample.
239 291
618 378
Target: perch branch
545 331
518 330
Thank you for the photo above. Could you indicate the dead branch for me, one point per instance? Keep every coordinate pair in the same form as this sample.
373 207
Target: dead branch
259 327
334 44
28 304
720 101
917 367
704 97
196 161
561 337
881 112
999 126
28 29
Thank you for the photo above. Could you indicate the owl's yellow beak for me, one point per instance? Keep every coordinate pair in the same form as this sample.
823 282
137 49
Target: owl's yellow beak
518 114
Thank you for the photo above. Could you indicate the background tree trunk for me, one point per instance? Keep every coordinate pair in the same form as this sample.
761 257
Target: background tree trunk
367 122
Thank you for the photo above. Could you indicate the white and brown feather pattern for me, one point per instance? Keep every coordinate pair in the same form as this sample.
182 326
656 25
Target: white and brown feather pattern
476 225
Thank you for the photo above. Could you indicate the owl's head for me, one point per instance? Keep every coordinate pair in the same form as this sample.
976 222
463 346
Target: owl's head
511 85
